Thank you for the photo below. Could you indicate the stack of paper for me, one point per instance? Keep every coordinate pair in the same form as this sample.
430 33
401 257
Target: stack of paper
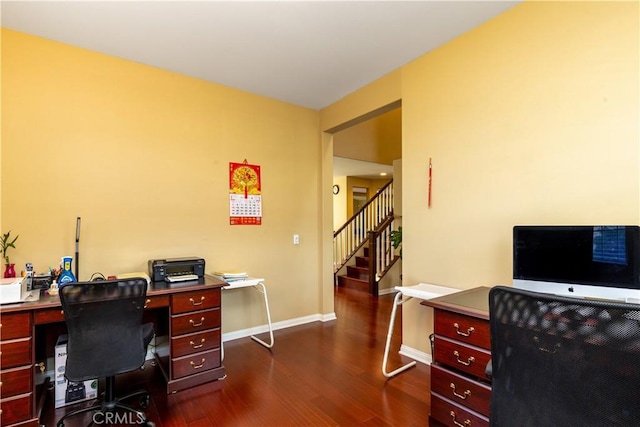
229 276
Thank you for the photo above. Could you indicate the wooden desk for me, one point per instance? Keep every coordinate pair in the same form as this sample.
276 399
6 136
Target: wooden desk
460 390
188 312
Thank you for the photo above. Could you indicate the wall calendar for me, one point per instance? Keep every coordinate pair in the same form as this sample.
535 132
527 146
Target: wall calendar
245 194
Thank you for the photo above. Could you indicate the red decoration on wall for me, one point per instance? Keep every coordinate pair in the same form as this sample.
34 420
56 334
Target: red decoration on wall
245 194
430 169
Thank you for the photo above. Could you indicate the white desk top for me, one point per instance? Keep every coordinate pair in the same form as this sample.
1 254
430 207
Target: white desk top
425 291
249 281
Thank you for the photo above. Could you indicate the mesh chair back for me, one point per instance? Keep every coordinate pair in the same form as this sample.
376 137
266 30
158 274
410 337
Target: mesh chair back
104 323
563 361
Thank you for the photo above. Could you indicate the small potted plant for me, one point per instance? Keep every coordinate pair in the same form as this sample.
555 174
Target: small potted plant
6 242
396 239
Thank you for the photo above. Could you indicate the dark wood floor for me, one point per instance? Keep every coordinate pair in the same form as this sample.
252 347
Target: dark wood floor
319 374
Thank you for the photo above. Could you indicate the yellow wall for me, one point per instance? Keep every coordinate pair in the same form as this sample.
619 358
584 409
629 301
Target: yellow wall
142 155
531 118
340 202
377 140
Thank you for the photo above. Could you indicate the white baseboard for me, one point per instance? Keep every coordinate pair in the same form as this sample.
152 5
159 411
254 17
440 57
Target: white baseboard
243 333
419 356
386 291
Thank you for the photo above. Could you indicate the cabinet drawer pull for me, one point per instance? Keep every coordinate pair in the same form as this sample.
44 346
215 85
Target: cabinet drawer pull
146 303
463 396
194 324
469 361
466 423
194 345
194 366
470 330
194 303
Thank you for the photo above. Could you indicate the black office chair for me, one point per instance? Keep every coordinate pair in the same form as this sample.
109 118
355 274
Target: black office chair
106 338
560 361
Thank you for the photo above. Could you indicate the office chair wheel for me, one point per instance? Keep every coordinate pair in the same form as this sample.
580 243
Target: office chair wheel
144 401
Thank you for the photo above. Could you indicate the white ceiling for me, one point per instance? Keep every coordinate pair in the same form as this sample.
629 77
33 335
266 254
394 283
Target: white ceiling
309 53
361 169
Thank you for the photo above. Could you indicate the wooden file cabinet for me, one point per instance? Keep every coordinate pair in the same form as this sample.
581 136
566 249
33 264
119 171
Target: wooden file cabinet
16 373
460 389
195 337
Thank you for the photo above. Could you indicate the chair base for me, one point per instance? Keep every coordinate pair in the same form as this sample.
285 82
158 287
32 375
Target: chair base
106 411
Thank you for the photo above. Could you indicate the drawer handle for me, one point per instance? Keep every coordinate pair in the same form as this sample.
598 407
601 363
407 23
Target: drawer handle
469 361
464 334
463 396
194 345
194 324
146 303
194 303
467 422
194 366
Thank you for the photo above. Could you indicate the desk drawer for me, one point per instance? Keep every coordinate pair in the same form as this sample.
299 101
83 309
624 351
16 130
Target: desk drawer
468 359
469 330
196 300
195 363
192 343
15 409
16 325
15 381
50 315
15 352
155 302
452 415
195 321
471 394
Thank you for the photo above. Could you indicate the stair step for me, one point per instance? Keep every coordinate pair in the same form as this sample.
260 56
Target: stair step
362 261
352 283
357 272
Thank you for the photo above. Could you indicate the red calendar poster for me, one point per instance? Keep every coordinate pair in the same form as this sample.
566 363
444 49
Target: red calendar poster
245 198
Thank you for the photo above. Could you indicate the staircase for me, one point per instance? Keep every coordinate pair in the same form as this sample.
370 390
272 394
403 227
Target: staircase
362 247
357 275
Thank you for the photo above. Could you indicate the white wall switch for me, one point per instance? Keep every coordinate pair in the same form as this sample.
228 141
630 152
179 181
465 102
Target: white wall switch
296 239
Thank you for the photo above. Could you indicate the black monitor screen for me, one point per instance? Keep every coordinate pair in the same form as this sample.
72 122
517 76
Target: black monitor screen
592 255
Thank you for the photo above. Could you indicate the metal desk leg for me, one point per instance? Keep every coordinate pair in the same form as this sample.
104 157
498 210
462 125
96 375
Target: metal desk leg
261 288
396 302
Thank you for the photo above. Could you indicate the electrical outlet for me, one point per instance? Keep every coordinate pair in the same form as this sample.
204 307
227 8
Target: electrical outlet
296 239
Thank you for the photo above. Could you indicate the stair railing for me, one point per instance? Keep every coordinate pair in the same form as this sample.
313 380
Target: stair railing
354 233
382 254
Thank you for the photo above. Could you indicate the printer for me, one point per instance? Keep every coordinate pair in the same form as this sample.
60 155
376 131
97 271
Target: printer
176 269
16 289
